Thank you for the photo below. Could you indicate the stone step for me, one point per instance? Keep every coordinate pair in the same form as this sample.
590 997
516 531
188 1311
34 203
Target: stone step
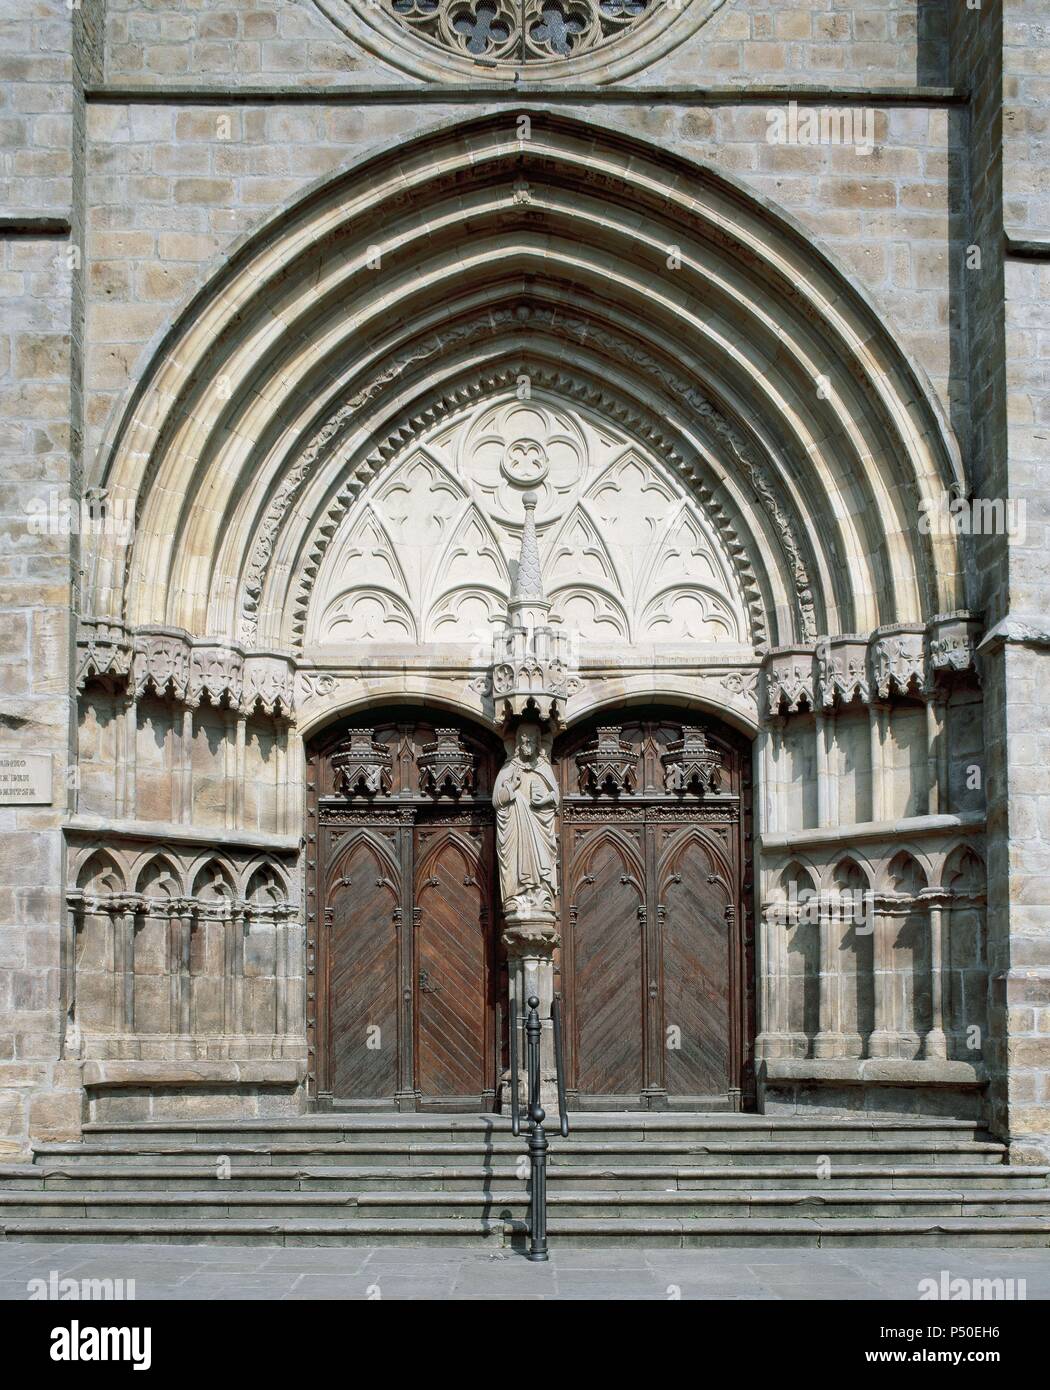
635 1126
507 1177
742 1152
219 1203
994 1231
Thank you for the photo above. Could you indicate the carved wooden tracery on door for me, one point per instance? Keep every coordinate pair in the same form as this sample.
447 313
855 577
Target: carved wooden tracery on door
402 973
405 973
656 961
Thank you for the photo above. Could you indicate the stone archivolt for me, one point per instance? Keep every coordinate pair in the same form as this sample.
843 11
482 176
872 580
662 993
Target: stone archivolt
598 310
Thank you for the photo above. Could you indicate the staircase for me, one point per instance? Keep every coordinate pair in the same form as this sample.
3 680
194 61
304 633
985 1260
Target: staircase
654 1179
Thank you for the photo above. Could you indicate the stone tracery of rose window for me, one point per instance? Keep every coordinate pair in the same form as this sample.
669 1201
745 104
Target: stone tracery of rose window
520 30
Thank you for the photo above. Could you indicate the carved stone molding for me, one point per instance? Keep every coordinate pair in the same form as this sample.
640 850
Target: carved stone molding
446 767
610 764
690 764
362 766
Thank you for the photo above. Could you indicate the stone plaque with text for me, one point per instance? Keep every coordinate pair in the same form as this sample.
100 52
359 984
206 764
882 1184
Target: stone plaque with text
25 779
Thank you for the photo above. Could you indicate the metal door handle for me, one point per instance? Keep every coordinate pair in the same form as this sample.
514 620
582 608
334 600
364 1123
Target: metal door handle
425 987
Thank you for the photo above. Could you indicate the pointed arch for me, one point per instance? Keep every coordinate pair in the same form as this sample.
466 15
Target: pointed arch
820 487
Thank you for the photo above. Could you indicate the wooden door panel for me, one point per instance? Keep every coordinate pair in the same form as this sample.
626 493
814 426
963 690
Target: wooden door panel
363 982
607 984
697 980
453 1006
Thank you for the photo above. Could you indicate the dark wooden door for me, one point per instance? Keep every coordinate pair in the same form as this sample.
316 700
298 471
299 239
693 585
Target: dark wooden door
453 940
402 972
656 956
363 983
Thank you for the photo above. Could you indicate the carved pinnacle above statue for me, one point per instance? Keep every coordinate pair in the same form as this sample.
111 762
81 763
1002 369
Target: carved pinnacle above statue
531 658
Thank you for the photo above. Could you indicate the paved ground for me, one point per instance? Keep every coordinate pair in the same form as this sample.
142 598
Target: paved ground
258 1272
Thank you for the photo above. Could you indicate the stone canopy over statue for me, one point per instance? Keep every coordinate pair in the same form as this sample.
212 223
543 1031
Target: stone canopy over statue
525 797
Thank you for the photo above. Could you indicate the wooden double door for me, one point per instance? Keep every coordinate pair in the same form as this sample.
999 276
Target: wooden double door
656 960
404 971
407 979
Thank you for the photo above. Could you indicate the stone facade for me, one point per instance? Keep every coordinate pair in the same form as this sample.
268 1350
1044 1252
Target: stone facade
302 299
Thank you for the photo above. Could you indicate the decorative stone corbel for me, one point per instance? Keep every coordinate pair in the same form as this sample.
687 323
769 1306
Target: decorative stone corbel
268 684
162 663
104 651
788 679
841 670
898 660
216 672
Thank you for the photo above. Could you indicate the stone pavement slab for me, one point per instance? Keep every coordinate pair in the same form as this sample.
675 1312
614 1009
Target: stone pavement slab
186 1272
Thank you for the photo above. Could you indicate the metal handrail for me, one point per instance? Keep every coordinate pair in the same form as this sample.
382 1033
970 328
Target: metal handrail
536 1115
537 1137
515 1115
559 1064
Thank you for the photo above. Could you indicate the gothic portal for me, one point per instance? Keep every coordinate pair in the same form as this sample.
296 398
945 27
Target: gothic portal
513 558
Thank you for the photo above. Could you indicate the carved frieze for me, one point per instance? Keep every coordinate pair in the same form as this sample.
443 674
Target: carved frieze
446 767
610 764
362 766
691 764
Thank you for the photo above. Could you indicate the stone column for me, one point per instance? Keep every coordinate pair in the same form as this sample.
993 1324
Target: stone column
937 753
939 909
823 728
885 1036
830 1041
531 941
876 726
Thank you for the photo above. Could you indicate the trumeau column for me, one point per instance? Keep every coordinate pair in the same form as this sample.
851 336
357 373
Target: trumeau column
530 684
